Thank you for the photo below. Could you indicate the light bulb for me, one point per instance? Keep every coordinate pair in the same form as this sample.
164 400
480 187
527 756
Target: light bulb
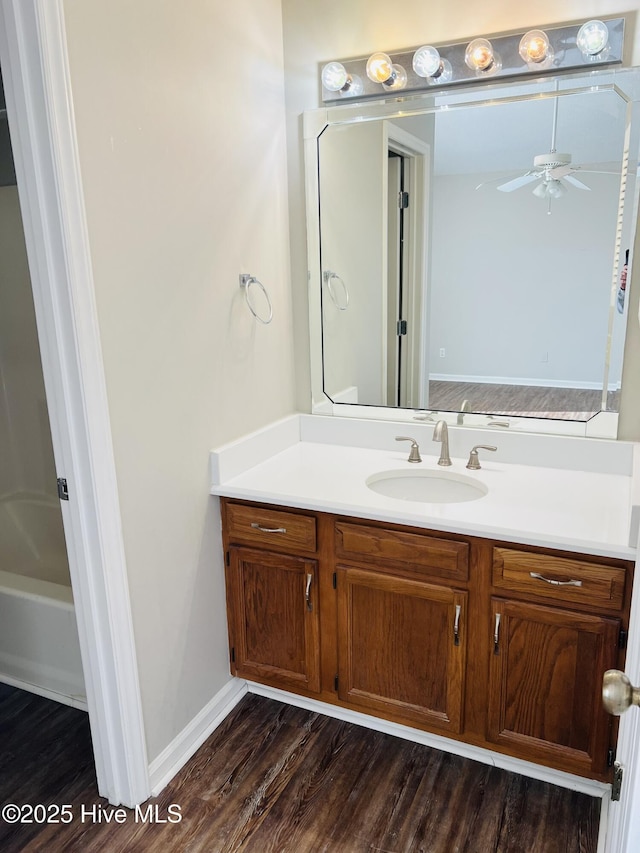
428 63
379 67
481 57
334 76
540 191
592 38
354 87
555 189
534 48
398 79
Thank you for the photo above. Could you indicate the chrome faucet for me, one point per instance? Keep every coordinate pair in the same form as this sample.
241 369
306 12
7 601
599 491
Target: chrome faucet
441 433
465 407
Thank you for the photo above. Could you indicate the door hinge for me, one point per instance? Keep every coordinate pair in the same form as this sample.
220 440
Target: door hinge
63 489
227 558
335 683
622 639
335 580
403 200
611 757
233 654
401 328
616 785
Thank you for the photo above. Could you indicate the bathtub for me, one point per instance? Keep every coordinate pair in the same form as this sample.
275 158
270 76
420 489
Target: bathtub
39 649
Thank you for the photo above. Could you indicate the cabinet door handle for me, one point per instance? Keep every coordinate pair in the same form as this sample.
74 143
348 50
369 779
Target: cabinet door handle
540 577
307 592
456 626
257 526
496 635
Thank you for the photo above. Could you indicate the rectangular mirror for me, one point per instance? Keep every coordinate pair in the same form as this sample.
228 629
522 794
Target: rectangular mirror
469 251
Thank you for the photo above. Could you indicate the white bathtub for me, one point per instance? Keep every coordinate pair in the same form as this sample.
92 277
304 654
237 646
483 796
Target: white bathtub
39 648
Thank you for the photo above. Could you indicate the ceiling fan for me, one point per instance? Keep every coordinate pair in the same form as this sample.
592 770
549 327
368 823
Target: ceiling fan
552 171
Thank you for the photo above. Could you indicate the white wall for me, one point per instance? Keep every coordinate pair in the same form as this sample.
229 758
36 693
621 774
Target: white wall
316 31
527 301
180 117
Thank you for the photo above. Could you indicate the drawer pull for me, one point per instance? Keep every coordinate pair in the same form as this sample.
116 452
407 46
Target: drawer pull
456 627
496 635
307 592
257 526
540 577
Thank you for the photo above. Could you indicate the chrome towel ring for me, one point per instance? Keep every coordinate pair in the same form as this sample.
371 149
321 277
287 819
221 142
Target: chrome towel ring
246 281
329 277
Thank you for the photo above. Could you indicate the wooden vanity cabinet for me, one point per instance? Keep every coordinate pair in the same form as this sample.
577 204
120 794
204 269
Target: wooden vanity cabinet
498 645
552 644
272 596
401 647
402 634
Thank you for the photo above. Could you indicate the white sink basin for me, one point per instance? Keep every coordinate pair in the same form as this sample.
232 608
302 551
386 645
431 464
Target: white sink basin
437 487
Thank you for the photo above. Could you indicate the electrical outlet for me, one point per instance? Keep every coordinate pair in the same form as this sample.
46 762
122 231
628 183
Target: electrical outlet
441 352
544 358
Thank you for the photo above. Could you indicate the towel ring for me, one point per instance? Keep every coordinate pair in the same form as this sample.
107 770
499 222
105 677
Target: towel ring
246 281
328 279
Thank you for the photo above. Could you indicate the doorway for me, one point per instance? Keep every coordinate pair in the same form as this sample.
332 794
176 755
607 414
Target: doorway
39 648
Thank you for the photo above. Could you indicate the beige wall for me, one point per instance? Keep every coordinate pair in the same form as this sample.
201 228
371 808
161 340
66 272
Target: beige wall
180 119
316 31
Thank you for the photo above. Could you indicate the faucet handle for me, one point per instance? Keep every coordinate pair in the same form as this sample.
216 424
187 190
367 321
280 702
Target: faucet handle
474 461
414 453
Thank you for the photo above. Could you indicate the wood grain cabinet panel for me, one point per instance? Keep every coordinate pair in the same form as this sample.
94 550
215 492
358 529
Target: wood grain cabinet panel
272 528
274 624
545 684
401 649
417 553
559 578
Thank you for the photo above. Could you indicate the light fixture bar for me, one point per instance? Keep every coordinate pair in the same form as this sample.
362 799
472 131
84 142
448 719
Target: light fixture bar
563 51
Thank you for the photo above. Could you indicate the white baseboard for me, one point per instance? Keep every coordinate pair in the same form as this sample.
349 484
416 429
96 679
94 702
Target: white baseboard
173 758
475 753
537 381
79 702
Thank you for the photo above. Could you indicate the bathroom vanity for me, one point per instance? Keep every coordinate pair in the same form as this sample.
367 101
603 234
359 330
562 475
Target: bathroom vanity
437 623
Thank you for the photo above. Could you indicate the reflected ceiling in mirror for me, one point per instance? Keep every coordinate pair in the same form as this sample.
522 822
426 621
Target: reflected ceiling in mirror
472 252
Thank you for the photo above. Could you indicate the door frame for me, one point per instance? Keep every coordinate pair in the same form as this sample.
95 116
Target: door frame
34 57
418 153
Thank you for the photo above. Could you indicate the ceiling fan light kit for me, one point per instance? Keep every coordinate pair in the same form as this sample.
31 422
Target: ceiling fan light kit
553 49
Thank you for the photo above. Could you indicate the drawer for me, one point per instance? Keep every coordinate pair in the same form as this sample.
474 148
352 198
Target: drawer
417 553
272 528
559 578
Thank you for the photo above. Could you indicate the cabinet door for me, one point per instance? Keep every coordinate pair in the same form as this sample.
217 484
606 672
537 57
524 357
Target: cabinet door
401 647
273 602
545 684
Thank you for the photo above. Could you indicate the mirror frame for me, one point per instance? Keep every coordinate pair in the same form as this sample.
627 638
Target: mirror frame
315 122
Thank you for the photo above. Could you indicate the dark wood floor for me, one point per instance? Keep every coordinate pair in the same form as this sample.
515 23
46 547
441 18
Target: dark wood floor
527 400
277 778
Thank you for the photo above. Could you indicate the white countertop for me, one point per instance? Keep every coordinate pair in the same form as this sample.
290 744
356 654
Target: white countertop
575 510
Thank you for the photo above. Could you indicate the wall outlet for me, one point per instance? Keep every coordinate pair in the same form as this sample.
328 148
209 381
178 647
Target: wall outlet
544 358
441 352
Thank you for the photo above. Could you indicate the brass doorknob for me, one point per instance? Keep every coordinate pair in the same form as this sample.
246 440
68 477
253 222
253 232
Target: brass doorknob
618 694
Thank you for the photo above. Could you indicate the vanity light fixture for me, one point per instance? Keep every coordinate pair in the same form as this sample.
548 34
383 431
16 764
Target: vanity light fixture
566 47
535 50
482 58
593 40
428 63
380 69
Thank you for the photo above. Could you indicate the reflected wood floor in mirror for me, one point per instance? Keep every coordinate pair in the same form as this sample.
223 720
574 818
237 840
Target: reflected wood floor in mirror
277 778
526 400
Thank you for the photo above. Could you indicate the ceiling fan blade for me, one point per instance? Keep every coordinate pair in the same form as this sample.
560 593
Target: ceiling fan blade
571 179
492 181
516 183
